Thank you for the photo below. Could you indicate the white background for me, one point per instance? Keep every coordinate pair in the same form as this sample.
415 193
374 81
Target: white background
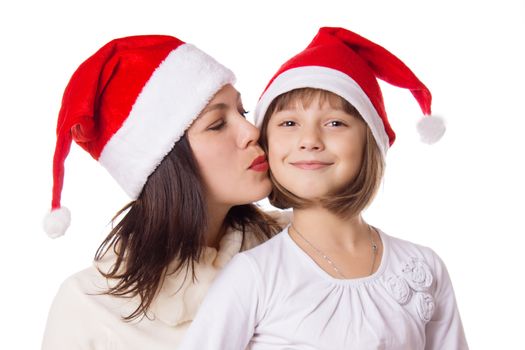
462 197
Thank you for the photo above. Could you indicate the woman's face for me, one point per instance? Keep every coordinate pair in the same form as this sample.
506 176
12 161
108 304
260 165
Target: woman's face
224 143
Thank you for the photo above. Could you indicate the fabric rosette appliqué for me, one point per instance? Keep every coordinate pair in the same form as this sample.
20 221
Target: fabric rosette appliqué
398 287
412 285
417 274
425 306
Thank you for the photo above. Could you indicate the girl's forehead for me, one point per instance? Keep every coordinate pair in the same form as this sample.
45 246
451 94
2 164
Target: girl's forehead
305 101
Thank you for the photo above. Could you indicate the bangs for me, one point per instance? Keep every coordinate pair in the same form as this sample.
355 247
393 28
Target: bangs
303 98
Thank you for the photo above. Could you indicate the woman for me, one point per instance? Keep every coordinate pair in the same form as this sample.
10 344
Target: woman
163 118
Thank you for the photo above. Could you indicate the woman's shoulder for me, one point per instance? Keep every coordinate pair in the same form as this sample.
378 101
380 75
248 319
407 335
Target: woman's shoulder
73 304
72 319
86 280
81 289
90 282
85 292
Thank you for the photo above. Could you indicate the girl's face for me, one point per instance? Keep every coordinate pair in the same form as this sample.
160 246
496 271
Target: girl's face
315 151
232 164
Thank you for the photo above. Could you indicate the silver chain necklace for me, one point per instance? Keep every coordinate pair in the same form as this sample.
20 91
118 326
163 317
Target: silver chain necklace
329 261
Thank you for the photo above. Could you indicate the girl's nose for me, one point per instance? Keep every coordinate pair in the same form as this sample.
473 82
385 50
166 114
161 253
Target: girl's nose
310 139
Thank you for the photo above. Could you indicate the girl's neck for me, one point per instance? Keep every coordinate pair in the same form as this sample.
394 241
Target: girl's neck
324 228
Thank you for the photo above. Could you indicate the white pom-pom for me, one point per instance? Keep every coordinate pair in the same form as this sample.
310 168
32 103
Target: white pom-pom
56 222
431 128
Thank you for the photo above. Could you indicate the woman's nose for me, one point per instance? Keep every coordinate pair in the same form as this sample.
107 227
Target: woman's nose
248 133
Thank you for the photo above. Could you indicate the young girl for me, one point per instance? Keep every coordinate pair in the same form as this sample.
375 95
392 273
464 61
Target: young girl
163 118
330 280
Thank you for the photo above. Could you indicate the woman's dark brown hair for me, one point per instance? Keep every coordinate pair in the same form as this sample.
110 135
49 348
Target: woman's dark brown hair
166 225
355 197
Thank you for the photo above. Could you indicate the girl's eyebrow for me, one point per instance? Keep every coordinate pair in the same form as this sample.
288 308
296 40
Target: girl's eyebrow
293 108
288 109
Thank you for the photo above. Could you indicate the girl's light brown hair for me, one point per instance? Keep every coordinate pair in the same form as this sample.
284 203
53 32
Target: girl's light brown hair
355 197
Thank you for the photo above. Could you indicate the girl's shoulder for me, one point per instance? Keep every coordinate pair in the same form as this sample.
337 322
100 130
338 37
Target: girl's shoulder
401 247
272 245
413 260
282 217
269 256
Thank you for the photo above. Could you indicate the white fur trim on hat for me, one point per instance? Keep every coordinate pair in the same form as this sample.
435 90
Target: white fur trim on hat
331 80
175 94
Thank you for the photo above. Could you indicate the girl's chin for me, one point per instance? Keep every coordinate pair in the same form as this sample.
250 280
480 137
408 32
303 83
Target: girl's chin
311 194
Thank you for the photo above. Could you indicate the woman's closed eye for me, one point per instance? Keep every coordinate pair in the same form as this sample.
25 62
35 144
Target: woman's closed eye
243 112
217 125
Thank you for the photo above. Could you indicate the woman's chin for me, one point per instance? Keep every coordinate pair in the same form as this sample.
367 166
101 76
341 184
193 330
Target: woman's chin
253 193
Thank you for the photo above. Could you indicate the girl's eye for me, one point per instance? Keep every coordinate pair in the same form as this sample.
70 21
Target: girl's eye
217 126
336 123
287 123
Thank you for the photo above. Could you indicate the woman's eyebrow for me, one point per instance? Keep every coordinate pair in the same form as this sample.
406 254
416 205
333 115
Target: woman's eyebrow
219 106
214 107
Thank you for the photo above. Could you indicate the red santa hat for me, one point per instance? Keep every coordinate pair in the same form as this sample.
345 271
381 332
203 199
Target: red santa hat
342 62
127 106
